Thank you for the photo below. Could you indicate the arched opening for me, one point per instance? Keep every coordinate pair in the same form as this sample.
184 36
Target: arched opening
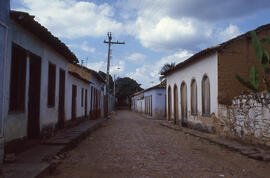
184 104
175 97
169 103
193 96
205 96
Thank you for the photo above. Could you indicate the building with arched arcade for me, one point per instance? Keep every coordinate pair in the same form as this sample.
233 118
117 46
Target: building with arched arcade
201 88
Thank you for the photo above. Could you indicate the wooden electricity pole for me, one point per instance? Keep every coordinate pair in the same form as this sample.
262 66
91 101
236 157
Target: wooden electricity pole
109 42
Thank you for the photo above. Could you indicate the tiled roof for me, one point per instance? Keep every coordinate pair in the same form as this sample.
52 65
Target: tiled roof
213 49
28 22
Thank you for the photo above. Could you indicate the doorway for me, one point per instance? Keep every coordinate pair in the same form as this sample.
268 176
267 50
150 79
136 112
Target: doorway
74 102
184 104
33 125
85 105
175 96
61 105
169 103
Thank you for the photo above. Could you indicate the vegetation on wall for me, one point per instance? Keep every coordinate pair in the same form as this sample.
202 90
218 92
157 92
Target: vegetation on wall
263 58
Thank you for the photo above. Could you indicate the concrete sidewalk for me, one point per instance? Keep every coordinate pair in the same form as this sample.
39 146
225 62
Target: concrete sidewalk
250 151
44 157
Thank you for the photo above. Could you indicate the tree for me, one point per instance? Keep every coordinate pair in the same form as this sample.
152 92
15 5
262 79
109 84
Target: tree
103 75
126 87
164 69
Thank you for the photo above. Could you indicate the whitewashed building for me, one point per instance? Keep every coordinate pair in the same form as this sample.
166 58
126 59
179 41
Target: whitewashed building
92 93
201 88
36 75
78 101
4 25
151 101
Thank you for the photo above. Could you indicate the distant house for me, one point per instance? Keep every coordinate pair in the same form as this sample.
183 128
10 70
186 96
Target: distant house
91 96
4 23
36 75
200 88
151 101
78 101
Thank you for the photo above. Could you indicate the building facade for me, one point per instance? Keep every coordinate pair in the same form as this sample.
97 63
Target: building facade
36 80
95 94
151 101
201 88
4 26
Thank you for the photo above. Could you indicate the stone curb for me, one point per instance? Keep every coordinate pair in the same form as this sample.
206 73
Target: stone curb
73 144
246 150
49 163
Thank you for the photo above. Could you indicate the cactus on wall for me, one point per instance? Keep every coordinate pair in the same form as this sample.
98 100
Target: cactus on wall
264 61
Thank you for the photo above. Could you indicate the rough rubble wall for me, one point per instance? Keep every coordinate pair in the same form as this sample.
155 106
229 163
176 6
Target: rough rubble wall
248 118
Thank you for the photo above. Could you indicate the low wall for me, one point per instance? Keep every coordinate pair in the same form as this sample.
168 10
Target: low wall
248 118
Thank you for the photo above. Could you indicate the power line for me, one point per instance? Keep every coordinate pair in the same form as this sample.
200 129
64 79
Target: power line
109 42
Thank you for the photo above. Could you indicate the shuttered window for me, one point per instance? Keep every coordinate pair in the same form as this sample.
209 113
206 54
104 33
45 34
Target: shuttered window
18 79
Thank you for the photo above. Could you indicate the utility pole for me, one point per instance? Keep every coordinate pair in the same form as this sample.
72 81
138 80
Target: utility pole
114 100
109 42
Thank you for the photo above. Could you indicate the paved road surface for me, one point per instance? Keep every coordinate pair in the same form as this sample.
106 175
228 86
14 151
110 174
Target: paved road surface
129 145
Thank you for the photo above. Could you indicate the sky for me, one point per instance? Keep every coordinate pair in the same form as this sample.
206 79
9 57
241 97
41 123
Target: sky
155 31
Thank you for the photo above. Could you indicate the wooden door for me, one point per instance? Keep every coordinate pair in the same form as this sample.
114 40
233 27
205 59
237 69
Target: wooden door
86 103
61 104
175 97
169 103
74 102
184 104
33 130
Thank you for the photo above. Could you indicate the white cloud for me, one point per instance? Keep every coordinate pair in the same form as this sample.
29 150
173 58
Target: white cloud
117 68
146 74
84 47
171 34
73 19
230 32
97 66
136 57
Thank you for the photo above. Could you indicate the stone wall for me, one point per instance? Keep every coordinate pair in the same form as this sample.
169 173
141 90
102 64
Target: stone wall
248 118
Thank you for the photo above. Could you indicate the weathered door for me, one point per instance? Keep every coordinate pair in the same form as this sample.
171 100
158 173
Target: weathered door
61 105
184 104
91 104
33 130
151 110
169 103
85 105
175 97
74 102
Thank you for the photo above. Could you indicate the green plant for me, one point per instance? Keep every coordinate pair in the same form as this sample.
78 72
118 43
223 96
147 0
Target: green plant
264 61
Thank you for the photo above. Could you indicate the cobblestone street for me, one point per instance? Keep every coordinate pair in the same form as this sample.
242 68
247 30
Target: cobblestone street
129 145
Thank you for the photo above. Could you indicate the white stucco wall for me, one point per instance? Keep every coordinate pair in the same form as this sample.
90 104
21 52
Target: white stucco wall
206 66
16 123
99 86
158 102
80 110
